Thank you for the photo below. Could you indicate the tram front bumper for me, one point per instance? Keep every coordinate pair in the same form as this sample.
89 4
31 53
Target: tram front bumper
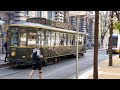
18 60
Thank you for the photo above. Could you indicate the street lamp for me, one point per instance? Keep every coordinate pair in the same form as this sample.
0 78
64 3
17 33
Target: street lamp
77 14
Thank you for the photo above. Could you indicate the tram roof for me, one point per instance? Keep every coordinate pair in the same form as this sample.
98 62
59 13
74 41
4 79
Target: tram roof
37 25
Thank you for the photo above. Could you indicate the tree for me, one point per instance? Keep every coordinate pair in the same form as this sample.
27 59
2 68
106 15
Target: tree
105 24
110 41
95 72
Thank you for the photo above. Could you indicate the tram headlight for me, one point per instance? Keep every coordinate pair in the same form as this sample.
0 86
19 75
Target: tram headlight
13 53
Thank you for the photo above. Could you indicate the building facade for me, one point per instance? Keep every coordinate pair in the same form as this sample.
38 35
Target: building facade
86 25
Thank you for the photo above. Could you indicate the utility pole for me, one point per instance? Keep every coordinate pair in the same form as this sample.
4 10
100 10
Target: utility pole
77 47
95 72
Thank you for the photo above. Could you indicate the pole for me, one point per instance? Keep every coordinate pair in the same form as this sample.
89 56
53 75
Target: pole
77 47
111 40
95 72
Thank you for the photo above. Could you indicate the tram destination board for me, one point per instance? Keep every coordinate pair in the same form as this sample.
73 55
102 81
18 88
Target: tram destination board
50 23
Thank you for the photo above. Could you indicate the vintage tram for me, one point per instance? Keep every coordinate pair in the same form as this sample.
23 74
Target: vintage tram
54 42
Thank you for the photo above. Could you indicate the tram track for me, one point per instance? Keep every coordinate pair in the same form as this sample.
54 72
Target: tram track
69 76
11 72
50 70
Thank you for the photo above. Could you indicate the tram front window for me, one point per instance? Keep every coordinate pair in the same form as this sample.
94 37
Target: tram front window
14 38
115 40
22 39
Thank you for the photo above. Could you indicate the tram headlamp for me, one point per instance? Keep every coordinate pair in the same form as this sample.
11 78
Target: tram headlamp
13 53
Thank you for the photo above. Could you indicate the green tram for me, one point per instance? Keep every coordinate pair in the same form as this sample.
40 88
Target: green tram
54 42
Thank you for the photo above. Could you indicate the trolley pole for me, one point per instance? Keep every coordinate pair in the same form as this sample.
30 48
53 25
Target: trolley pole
77 47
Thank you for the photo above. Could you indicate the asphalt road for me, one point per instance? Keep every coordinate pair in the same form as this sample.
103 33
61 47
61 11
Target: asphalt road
66 69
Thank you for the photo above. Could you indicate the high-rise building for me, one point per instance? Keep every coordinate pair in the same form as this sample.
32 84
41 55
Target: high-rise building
86 25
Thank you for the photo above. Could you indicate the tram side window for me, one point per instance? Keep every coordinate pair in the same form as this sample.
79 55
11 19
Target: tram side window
40 37
14 38
48 38
79 40
22 38
57 38
67 39
115 41
74 40
62 39
70 39
31 38
53 39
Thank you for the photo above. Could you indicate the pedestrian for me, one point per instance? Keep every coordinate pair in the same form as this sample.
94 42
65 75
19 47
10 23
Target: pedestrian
36 56
6 49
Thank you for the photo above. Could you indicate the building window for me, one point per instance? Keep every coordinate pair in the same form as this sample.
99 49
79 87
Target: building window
49 14
38 13
26 12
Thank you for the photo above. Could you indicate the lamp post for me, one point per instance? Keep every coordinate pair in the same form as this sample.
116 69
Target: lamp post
77 14
77 47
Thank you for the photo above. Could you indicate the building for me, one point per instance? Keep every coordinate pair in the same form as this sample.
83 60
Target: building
86 25
4 16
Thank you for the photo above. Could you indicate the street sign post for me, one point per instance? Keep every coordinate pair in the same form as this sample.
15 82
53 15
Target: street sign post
77 14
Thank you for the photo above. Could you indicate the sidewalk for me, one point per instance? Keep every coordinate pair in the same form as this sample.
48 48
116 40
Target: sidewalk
105 71
2 57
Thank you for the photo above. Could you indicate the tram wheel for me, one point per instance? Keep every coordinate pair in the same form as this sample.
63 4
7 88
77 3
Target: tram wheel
55 60
79 55
45 62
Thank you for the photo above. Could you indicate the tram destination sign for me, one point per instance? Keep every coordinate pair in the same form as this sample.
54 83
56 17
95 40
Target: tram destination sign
37 20
50 23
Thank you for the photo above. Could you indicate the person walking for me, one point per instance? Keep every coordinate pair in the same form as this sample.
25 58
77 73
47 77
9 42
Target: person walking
36 56
6 49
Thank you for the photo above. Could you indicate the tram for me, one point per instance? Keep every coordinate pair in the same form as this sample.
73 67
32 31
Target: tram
54 42
115 43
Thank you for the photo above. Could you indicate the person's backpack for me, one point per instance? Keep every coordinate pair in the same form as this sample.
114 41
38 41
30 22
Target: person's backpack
34 56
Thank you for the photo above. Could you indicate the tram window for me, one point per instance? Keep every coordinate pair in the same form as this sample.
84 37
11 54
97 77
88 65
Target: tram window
62 39
115 40
22 38
80 40
48 38
73 40
14 38
53 39
57 38
69 39
66 39
40 37
31 38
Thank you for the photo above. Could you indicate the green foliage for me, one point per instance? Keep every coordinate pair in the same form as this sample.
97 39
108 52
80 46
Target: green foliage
117 25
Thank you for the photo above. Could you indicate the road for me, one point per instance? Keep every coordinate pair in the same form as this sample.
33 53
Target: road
66 69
